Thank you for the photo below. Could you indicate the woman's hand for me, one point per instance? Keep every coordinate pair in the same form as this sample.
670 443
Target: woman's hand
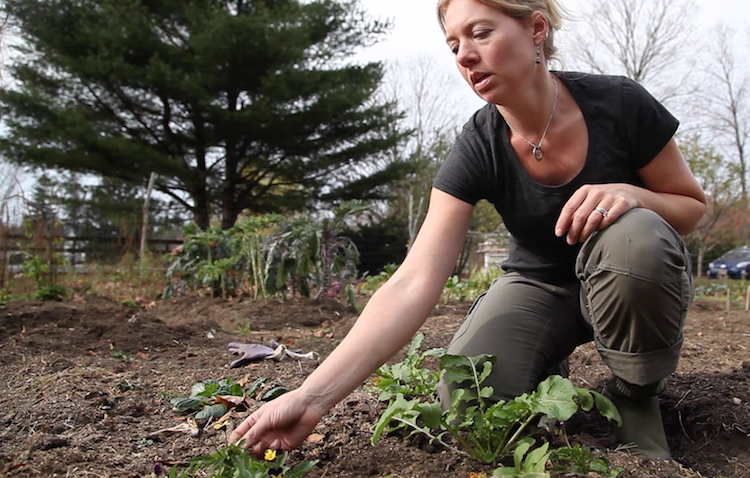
594 207
282 424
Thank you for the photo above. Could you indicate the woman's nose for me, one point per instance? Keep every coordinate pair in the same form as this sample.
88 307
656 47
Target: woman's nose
466 55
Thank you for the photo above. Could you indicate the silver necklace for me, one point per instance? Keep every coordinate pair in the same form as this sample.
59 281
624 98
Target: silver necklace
537 148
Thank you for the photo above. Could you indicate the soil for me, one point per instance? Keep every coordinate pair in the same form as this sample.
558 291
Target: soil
86 386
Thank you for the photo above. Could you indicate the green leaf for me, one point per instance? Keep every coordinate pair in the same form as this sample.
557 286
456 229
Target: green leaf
431 414
197 389
275 392
521 449
256 385
302 468
455 369
236 390
607 408
396 407
217 410
184 404
554 397
585 399
537 459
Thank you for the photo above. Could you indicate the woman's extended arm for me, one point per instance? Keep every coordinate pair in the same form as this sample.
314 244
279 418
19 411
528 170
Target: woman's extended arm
392 316
670 190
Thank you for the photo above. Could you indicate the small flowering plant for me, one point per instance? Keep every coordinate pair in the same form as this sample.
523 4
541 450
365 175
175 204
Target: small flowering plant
234 461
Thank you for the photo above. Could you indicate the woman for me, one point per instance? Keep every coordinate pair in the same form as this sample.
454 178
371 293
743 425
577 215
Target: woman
589 181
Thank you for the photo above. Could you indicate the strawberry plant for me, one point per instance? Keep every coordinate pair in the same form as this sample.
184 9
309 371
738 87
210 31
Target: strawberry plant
485 430
213 398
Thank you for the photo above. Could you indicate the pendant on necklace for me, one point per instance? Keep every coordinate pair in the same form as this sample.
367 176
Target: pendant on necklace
537 151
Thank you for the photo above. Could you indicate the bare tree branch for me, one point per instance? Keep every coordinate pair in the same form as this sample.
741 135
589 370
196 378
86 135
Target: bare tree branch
646 40
724 101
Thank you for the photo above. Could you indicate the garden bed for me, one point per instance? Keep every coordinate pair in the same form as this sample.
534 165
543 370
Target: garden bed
87 385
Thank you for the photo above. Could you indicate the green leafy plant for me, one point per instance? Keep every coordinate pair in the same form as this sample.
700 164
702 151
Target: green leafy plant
120 355
338 253
41 263
51 292
268 255
130 302
462 290
205 259
487 430
244 328
4 297
582 460
526 466
213 398
373 283
234 462
409 377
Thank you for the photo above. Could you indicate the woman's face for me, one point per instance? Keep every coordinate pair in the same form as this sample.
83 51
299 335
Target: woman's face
495 53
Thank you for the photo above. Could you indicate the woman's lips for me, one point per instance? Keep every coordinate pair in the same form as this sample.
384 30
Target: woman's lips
480 80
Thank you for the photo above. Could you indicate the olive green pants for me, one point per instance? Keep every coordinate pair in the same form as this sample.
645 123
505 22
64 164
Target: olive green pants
633 293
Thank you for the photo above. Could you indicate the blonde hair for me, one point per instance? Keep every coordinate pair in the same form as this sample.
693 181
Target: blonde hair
522 9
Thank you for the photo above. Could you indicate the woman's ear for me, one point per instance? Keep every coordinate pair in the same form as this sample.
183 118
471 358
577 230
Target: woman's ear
539 27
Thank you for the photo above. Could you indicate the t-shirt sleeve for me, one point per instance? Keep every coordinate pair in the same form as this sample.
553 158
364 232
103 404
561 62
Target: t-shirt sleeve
462 175
649 125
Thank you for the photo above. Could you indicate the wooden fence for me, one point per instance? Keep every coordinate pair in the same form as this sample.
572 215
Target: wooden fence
77 249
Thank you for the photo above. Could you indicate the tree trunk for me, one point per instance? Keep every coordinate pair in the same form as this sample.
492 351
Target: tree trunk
201 214
144 222
325 264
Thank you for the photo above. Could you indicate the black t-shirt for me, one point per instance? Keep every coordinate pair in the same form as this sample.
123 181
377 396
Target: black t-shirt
627 128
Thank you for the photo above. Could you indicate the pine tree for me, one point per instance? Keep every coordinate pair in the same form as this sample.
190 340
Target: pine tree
238 105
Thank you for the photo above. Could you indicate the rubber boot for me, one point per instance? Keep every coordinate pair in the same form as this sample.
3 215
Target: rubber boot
641 418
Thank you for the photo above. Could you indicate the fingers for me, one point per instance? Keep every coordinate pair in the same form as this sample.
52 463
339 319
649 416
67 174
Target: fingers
242 430
591 208
596 220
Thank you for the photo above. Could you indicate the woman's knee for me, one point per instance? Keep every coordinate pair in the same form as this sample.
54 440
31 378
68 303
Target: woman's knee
639 245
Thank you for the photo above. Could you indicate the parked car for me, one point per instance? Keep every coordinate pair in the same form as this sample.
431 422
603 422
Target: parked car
735 264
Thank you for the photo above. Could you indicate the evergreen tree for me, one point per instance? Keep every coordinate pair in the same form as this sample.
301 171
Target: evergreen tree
238 105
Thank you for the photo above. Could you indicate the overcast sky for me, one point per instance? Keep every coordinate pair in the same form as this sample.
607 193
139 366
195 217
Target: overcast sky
416 31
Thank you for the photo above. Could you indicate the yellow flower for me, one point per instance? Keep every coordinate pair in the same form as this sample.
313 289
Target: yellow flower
477 475
220 425
270 455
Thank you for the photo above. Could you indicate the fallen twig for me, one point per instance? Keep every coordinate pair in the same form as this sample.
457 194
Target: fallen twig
679 417
683 398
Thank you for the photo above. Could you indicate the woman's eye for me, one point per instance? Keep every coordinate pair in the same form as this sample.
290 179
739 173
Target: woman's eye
454 49
481 34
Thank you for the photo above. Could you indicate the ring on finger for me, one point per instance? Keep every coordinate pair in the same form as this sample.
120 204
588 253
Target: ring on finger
602 210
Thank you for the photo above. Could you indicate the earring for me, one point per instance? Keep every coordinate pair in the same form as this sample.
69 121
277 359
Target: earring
538 55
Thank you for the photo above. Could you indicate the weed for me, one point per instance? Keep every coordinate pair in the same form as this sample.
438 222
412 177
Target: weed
130 302
125 385
581 460
244 328
5 297
144 442
120 355
50 292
